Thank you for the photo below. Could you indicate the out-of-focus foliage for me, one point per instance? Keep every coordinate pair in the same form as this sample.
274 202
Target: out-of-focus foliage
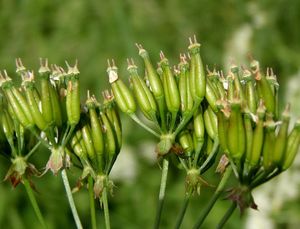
93 31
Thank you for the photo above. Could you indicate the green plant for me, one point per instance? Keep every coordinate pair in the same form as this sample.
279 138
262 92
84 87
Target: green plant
196 117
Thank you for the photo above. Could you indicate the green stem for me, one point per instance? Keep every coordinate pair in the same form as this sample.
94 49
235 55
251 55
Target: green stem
162 190
211 155
214 198
106 209
34 203
92 203
186 119
36 134
183 210
162 114
227 215
33 150
264 179
138 121
173 120
68 136
70 199
13 148
197 154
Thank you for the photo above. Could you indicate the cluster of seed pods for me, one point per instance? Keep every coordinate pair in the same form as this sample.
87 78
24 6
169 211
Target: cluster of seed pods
47 109
197 114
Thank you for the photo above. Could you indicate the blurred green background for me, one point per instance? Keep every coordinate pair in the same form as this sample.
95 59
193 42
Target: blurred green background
94 30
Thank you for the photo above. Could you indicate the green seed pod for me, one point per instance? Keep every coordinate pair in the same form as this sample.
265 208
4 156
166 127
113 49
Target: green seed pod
270 138
7 125
96 132
250 92
198 124
281 139
155 84
24 105
114 117
16 103
28 84
197 73
56 108
142 93
110 139
292 148
186 142
44 73
170 86
258 136
209 145
211 95
73 95
249 135
88 142
186 99
236 141
216 80
198 130
82 144
230 88
76 146
263 87
122 94
237 83
222 117
211 123
154 80
61 91
272 80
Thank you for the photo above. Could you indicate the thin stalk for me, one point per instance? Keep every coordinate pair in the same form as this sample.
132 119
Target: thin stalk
183 210
173 120
211 155
214 198
138 121
70 198
162 190
197 154
33 150
92 203
17 128
68 136
264 179
227 215
106 209
34 203
36 134
186 119
13 148
183 164
162 114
